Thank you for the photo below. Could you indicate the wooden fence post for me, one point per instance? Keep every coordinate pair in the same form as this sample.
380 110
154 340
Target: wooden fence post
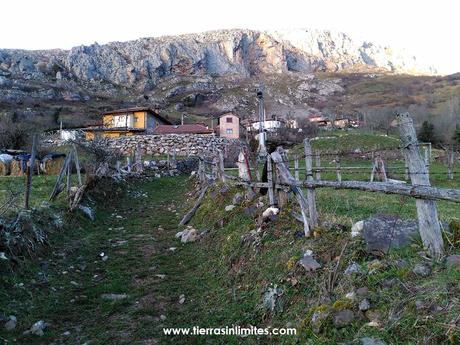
427 159
318 165
338 170
282 193
311 193
69 174
374 166
117 167
296 168
221 166
31 172
243 168
271 194
128 163
406 167
57 185
427 212
77 165
215 167
286 178
450 163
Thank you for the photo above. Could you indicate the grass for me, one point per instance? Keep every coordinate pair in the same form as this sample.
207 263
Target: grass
63 286
223 279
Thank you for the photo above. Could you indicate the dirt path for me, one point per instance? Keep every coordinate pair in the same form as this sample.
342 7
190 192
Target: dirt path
117 280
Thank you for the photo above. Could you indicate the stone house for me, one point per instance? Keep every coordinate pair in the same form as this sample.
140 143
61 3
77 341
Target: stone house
229 126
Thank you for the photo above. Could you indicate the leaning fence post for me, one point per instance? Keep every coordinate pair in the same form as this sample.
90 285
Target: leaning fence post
31 172
271 195
77 164
286 178
318 165
338 169
311 193
427 212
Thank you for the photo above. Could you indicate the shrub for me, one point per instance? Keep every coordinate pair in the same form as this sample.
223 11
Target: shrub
13 135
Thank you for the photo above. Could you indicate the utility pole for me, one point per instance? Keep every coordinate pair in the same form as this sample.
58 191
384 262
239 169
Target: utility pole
260 97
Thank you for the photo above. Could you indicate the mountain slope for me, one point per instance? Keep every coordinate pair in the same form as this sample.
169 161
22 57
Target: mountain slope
220 69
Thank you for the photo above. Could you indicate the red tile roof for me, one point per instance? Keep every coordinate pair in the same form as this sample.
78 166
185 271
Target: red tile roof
195 128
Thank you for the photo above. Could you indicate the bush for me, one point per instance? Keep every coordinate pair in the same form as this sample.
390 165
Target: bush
14 135
426 133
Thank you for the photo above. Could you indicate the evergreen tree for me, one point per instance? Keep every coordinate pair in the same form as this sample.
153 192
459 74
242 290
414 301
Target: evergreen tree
426 133
456 135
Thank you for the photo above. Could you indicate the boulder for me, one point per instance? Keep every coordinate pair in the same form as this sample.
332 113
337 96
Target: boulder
343 318
357 228
353 268
383 232
270 213
10 325
422 270
237 198
319 319
453 261
364 305
309 263
188 235
87 211
229 208
250 211
38 328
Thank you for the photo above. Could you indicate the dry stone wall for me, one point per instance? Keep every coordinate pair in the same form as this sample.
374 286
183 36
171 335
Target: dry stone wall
182 145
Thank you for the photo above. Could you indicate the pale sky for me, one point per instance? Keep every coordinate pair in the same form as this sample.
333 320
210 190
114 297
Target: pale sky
427 29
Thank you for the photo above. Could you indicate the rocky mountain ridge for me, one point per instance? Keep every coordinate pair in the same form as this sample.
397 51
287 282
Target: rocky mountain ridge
220 67
142 63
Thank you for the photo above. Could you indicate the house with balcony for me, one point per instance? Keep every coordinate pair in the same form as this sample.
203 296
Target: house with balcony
126 122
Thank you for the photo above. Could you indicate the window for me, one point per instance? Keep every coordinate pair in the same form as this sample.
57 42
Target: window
229 119
229 130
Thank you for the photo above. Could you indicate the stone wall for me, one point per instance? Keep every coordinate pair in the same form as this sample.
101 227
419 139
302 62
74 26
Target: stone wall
183 144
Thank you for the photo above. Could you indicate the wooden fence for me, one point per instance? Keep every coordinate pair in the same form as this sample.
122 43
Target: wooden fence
279 179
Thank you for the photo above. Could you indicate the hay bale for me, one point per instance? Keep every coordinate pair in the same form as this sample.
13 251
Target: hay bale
4 168
16 168
53 166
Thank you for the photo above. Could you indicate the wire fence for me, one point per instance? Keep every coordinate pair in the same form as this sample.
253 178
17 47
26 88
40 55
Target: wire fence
279 176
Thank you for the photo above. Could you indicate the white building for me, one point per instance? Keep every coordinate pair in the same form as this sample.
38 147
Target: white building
268 125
